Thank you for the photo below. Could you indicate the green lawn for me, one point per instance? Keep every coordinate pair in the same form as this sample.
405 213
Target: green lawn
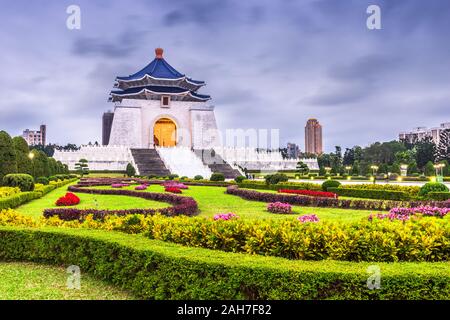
28 281
213 200
90 201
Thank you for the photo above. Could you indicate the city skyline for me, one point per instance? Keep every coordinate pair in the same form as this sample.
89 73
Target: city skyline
321 61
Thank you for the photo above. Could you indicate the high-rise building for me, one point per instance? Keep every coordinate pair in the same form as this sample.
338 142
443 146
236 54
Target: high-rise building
293 150
108 118
419 133
35 137
313 137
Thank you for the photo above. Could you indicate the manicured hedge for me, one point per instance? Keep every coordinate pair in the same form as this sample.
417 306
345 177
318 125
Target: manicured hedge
182 205
329 202
371 194
439 196
24 197
413 191
156 270
376 240
250 184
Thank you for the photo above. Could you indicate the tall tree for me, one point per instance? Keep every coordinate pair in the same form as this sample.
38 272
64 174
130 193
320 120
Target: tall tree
425 151
22 155
8 163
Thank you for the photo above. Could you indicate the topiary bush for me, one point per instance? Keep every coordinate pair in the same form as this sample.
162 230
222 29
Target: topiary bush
198 177
217 176
24 181
330 184
276 178
131 171
432 187
172 176
239 179
42 180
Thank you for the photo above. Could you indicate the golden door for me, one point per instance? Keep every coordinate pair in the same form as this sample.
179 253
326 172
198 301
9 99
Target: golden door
164 133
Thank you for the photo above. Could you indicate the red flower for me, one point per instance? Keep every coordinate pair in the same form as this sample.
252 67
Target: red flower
310 193
172 190
69 199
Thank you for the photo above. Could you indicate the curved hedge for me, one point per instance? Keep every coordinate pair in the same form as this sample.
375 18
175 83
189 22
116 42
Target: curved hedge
329 202
181 205
156 270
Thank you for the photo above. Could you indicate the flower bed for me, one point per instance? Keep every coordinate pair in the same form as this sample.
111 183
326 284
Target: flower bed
69 199
141 187
308 218
310 193
279 207
181 205
330 202
225 216
404 214
420 239
172 190
174 184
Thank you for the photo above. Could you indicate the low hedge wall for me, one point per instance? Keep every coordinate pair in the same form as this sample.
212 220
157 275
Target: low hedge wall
156 270
181 205
439 196
365 240
20 198
329 202
371 194
250 184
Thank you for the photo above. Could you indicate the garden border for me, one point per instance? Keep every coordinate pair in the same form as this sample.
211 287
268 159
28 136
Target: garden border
153 269
181 205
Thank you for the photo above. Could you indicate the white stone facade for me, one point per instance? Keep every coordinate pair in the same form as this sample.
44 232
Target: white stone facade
134 121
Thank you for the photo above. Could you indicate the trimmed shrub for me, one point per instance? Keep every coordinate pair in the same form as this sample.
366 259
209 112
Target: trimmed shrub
217 176
411 190
330 184
432 187
371 194
239 179
69 199
130 170
439 196
172 176
279 207
310 193
166 271
42 180
8 191
276 178
24 181
250 184
198 177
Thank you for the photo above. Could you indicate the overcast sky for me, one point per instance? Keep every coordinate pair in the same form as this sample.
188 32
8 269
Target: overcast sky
267 64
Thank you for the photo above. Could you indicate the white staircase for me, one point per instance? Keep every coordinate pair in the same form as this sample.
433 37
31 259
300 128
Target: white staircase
183 162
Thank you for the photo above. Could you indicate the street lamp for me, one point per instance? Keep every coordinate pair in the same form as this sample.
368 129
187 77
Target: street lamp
374 169
348 168
328 169
439 167
31 155
403 170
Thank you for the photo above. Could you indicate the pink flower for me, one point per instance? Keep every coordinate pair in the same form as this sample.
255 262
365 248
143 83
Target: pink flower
308 218
225 216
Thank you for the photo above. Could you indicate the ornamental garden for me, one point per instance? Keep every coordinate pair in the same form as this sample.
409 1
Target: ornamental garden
179 238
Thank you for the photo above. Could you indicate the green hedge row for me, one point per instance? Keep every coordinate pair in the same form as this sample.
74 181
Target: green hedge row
156 270
439 196
24 197
250 184
371 194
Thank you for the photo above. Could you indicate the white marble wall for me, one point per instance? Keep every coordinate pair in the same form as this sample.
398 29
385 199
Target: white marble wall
126 128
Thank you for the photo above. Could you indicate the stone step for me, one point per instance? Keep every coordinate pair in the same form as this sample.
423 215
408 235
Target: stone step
149 162
216 163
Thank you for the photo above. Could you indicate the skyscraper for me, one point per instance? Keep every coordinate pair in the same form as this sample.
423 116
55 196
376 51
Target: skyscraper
313 137
34 138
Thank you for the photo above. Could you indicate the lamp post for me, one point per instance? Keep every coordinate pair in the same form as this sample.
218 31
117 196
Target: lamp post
31 155
439 167
328 169
403 170
348 168
374 172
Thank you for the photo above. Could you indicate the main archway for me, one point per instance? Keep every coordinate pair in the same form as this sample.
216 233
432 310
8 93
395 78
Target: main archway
165 133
